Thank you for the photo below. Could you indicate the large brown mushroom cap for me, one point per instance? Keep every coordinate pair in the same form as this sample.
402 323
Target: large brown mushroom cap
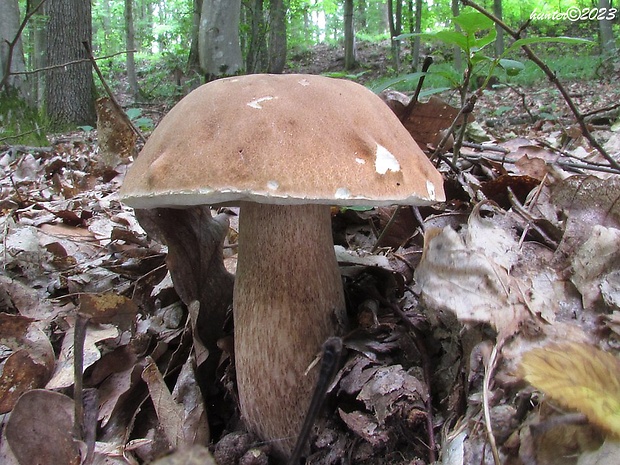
283 139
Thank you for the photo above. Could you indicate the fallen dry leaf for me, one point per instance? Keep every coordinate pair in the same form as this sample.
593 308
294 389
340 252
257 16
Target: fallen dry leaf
31 363
40 429
579 376
181 414
594 261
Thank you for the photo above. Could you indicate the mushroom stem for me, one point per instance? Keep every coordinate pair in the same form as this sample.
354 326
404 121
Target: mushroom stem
288 299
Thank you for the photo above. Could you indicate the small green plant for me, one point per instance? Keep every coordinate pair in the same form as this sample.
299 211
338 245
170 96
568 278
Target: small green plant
143 122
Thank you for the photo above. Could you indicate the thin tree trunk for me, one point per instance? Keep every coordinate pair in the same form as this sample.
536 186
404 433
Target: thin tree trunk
499 41
395 21
193 61
606 35
131 45
349 36
458 59
256 59
417 28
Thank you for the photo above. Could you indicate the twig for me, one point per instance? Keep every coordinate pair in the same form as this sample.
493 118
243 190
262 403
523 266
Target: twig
109 92
564 164
332 348
428 61
69 63
485 147
488 372
553 78
465 109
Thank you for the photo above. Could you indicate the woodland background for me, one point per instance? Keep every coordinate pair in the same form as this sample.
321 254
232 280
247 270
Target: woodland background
158 50
487 328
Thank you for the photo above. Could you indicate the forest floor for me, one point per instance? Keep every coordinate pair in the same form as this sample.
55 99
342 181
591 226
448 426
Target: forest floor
480 325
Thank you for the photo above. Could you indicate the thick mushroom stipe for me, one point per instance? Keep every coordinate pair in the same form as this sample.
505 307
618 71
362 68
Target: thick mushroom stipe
288 299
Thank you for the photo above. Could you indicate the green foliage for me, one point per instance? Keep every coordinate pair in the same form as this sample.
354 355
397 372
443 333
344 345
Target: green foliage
477 33
143 122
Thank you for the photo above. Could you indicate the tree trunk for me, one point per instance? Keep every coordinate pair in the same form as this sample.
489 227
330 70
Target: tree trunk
417 28
9 24
277 36
39 59
219 48
349 36
69 89
606 35
257 58
193 61
395 20
499 41
131 45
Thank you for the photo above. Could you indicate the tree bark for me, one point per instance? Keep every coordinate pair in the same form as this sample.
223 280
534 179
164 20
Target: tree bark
349 36
69 89
277 36
220 51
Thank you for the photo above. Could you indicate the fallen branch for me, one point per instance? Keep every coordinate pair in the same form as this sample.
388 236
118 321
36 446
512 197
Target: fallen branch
69 63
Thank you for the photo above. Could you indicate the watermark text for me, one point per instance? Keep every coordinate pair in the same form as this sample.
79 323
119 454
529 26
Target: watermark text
576 14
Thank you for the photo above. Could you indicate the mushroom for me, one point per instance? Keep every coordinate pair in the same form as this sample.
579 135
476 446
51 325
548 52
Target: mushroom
284 148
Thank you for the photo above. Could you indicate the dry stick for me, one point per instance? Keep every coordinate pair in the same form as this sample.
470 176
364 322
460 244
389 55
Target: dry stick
465 109
332 348
7 72
69 63
109 92
553 78
428 61
488 371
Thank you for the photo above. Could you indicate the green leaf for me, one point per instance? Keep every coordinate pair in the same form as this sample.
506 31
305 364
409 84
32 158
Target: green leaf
479 44
512 67
402 79
472 22
453 38
133 113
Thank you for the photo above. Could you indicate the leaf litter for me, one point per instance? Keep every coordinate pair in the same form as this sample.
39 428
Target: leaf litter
465 316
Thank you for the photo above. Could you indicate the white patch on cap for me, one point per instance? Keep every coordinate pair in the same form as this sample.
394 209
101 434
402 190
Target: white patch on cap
273 185
342 193
304 82
256 102
385 161
361 161
430 187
